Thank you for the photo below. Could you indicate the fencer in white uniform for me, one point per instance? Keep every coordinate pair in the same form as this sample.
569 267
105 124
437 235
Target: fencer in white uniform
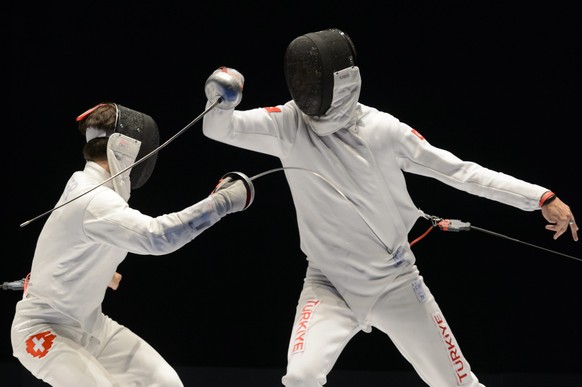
354 213
59 331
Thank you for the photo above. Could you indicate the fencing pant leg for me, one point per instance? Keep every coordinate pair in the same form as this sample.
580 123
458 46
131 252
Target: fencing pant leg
66 356
410 316
134 362
323 326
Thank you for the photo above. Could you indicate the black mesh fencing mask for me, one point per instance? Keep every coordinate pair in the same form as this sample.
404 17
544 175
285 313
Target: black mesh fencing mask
133 124
309 64
143 128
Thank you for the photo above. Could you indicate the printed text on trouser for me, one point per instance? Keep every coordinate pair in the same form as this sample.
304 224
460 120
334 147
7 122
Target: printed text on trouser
303 324
455 356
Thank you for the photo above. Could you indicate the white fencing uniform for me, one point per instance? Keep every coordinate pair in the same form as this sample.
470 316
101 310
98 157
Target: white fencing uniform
59 332
361 272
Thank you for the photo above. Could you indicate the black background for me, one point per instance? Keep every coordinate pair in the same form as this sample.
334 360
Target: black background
494 82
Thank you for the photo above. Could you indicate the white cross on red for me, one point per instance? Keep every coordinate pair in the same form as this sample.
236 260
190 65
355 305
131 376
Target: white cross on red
38 344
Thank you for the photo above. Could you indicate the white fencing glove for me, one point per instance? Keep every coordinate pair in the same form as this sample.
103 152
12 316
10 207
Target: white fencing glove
225 83
234 192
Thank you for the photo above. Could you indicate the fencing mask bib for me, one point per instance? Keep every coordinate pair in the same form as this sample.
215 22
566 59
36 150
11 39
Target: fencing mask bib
309 65
143 128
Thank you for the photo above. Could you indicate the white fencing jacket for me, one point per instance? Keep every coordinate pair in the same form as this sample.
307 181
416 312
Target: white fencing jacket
83 242
363 153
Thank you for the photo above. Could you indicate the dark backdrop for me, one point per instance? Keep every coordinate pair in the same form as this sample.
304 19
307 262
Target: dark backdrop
494 83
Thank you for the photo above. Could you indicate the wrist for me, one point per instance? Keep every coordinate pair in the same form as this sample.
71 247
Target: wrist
546 198
222 203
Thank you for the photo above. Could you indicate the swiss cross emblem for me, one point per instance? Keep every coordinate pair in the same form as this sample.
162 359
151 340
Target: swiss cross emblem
38 345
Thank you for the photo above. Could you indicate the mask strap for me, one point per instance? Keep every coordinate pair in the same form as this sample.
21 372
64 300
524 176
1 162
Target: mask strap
116 117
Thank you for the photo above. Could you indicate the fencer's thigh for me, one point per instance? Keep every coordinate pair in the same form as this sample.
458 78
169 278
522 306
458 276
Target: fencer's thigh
411 317
64 355
132 361
56 354
323 326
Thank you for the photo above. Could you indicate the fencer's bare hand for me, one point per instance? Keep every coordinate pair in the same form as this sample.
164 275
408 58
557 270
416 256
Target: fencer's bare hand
114 284
558 214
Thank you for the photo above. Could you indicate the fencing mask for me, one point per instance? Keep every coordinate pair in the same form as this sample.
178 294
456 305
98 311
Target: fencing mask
134 135
309 64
